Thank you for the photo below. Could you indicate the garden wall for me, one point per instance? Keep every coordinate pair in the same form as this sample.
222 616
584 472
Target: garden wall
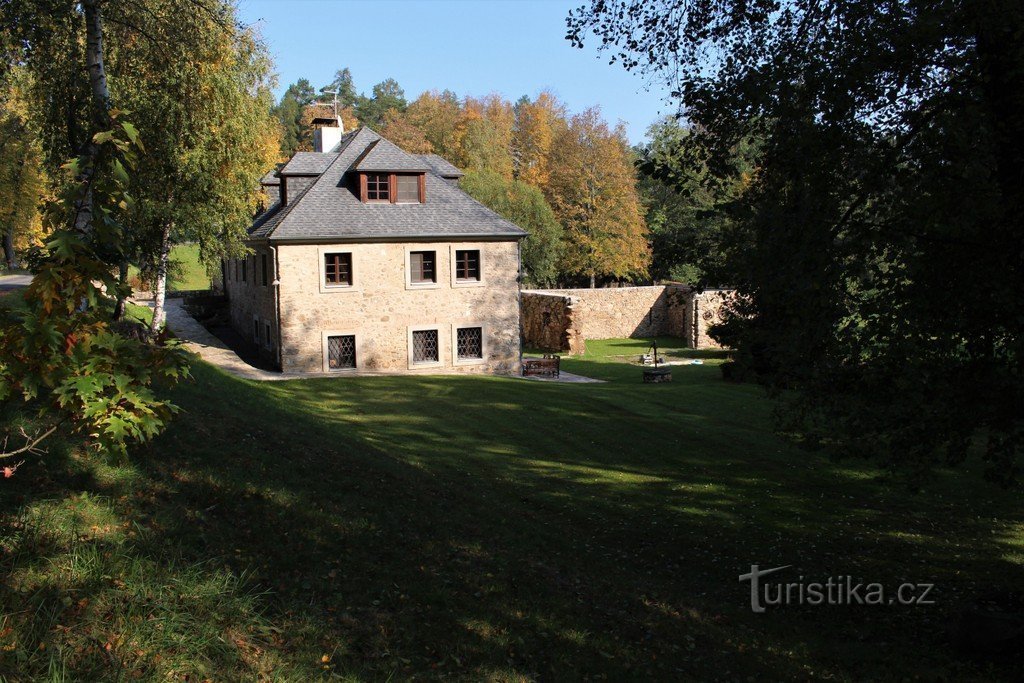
550 322
562 319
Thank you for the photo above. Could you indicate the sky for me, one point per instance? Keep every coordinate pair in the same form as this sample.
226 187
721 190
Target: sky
472 47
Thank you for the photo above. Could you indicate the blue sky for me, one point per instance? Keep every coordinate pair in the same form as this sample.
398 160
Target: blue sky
512 47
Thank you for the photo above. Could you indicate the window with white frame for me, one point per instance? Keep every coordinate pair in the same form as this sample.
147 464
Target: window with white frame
341 352
469 343
425 347
422 267
338 269
467 265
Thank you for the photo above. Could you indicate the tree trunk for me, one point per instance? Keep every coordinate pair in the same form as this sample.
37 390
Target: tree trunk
100 106
122 278
593 281
160 287
9 257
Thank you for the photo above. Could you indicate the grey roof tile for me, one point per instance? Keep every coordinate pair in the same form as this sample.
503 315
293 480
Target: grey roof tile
383 155
330 208
307 163
441 166
271 178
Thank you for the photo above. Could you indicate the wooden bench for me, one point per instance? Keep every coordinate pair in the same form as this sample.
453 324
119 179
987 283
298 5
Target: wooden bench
541 367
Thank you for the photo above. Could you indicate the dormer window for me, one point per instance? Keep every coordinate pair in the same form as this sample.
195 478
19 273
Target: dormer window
393 188
378 187
408 189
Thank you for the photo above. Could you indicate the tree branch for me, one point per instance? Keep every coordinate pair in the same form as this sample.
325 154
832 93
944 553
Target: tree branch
31 443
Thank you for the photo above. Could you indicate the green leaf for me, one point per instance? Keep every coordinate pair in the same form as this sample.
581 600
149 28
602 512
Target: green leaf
119 172
132 132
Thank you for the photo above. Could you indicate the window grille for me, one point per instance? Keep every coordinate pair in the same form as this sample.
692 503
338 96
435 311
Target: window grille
424 346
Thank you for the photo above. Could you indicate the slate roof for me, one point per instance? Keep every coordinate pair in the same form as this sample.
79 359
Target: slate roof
270 178
441 166
383 155
330 209
308 163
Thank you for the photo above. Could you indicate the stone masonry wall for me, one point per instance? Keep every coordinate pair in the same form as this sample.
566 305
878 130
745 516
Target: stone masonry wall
704 310
615 312
252 303
381 307
551 323
562 319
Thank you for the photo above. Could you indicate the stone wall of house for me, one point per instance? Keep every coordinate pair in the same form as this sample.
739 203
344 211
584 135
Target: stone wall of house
381 308
562 319
251 303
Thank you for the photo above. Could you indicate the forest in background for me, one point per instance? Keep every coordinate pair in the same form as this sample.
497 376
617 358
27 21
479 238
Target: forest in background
598 211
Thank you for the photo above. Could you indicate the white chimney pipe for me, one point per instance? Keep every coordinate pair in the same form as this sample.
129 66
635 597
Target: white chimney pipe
328 139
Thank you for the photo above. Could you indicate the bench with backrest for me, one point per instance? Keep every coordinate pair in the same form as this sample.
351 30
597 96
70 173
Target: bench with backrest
541 367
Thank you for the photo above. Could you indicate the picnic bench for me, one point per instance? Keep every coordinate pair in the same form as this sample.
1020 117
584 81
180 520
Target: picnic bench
541 367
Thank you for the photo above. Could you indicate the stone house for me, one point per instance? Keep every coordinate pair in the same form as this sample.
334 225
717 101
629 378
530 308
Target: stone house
372 259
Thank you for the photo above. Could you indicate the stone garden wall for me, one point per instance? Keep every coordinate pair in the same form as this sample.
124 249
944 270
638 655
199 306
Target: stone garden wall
550 322
562 319
703 311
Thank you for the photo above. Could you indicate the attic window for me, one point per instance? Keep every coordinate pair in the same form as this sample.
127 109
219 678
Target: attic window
378 187
395 188
408 189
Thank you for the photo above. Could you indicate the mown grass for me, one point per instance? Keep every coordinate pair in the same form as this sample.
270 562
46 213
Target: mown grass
187 271
483 528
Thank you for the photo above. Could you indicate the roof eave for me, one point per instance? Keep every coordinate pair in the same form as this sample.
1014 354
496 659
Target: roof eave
433 237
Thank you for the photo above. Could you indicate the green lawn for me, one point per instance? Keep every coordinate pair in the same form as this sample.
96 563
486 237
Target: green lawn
189 274
482 528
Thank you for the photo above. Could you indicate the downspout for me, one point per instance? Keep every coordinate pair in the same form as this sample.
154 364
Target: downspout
275 286
519 288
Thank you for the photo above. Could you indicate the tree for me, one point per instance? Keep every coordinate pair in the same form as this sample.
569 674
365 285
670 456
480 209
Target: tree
343 88
526 207
203 105
400 130
387 95
439 116
22 177
537 123
487 141
594 196
687 206
60 354
288 112
877 252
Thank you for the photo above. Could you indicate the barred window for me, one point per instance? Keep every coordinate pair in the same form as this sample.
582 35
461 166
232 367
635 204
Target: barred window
245 264
469 343
256 331
467 265
341 352
422 266
424 346
267 341
338 269
408 189
378 187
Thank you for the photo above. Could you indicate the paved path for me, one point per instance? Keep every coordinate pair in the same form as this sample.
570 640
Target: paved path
567 378
200 341
9 282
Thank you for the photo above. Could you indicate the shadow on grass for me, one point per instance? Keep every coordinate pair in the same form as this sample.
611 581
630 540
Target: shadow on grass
484 527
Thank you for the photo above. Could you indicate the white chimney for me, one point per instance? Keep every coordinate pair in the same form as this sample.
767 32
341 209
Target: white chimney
328 138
